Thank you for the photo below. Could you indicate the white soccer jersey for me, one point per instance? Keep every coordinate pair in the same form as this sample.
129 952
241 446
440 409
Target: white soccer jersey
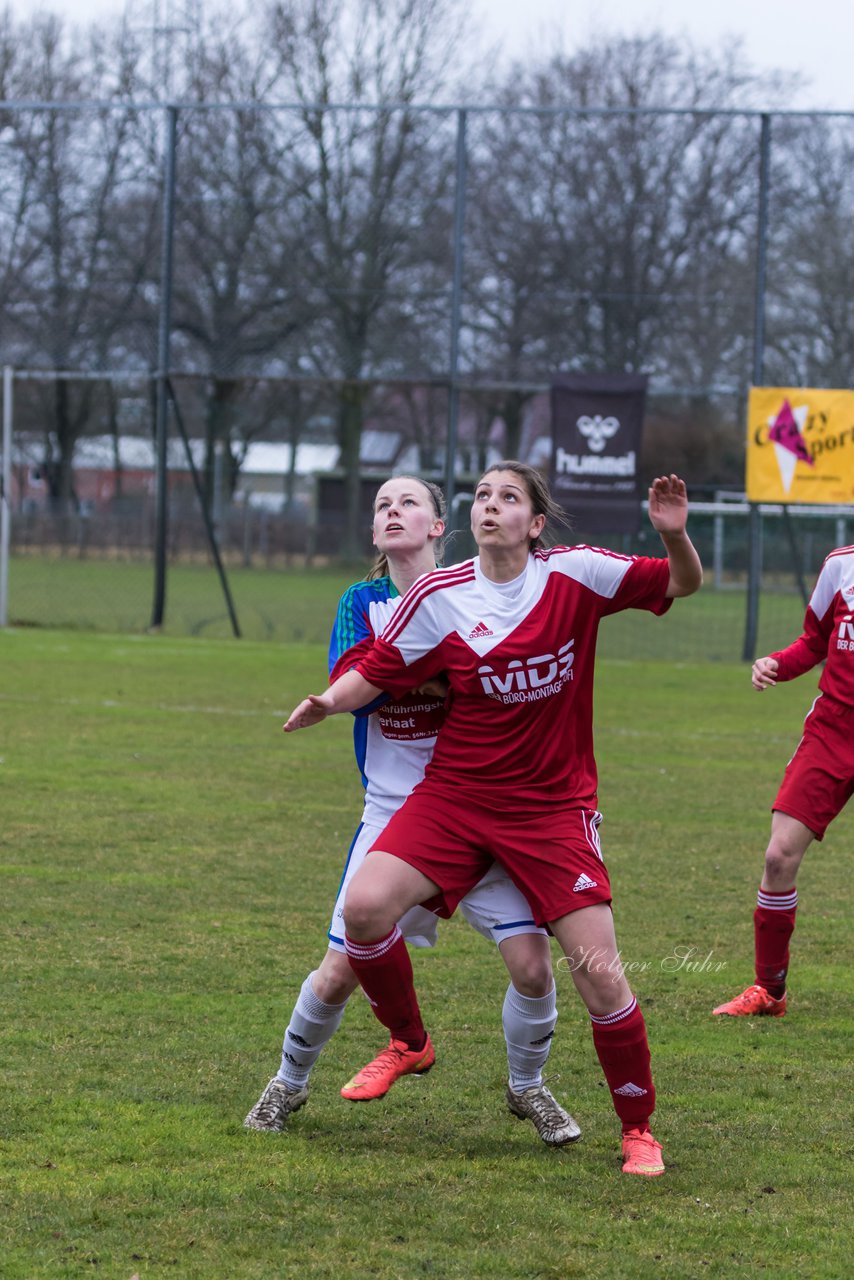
393 740
520 723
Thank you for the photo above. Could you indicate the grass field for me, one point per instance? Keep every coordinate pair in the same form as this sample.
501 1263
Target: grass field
294 606
168 861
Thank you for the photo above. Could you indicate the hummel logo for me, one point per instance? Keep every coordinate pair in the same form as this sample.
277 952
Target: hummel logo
631 1091
479 632
583 882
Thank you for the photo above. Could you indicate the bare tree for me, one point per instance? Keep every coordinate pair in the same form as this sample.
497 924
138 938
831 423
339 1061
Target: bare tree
72 170
369 181
811 262
511 264
611 224
627 229
238 298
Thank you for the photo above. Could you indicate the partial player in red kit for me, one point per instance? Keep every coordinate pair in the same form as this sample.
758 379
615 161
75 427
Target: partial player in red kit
819 778
513 776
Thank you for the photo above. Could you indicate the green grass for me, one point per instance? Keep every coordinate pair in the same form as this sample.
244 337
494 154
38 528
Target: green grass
117 595
168 861
295 605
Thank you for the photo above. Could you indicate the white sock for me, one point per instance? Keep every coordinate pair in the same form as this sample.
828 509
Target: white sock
529 1023
312 1025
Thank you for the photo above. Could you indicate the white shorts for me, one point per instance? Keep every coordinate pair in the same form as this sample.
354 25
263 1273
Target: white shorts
495 907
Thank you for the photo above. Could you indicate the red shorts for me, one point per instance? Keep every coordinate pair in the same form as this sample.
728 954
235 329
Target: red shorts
819 778
552 856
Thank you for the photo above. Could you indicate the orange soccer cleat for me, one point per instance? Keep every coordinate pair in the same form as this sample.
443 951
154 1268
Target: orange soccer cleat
375 1079
642 1154
755 1002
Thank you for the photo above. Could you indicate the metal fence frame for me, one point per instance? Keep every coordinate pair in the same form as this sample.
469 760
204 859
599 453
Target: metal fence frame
462 113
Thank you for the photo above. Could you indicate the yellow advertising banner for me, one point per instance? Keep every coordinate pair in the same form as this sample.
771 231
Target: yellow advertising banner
800 445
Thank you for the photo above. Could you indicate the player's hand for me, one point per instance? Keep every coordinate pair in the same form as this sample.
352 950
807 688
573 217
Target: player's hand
764 673
309 712
668 504
437 687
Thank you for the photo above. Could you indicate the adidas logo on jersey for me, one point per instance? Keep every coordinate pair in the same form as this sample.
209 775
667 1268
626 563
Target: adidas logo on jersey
479 632
631 1091
583 882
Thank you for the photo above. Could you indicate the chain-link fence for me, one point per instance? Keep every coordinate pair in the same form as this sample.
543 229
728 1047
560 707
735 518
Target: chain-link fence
304 299
92 566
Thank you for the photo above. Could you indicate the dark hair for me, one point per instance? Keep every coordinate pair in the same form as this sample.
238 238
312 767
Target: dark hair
542 502
379 569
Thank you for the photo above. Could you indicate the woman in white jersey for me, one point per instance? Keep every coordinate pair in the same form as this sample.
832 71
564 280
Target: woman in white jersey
394 742
513 775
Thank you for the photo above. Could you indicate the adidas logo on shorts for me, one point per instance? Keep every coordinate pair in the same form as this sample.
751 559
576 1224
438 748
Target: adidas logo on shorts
583 882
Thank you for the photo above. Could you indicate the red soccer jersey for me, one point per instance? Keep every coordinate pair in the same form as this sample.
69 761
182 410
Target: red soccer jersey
519 730
828 631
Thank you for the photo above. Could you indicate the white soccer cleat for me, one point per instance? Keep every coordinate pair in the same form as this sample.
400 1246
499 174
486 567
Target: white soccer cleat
555 1126
277 1102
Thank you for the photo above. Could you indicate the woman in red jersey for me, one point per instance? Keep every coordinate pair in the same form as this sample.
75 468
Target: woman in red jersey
513 776
393 744
819 778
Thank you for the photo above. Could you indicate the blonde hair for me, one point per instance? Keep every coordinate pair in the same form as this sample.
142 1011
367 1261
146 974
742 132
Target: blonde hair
542 502
380 567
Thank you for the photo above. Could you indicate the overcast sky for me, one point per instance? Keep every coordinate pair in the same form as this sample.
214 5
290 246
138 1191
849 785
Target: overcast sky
812 38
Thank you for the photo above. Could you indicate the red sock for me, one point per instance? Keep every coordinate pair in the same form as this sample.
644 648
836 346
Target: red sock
620 1040
384 969
773 926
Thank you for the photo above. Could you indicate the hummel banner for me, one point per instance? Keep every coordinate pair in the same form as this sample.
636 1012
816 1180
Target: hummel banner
597 421
800 445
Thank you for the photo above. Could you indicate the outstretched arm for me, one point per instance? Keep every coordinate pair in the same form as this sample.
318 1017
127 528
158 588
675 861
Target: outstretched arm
350 691
668 513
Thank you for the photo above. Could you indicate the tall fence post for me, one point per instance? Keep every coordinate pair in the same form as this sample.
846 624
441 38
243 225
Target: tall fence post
6 497
754 521
161 412
456 309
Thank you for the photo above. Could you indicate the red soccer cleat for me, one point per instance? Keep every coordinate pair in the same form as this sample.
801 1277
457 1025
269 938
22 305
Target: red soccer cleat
642 1154
375 1080
755 1002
